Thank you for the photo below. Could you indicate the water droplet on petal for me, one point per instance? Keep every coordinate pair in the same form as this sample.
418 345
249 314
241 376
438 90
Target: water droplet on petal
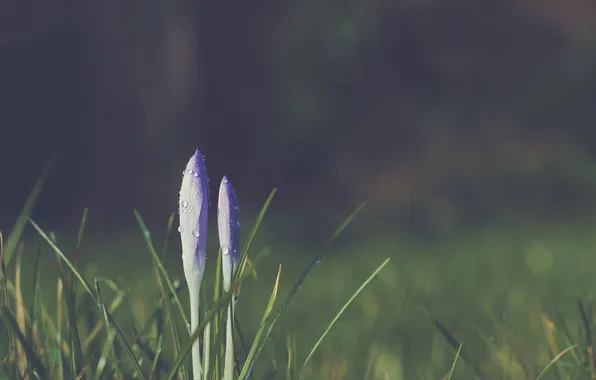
184 203
180 229
196 233
195 174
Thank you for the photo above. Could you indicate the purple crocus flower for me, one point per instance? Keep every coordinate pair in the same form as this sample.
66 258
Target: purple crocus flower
194 205
228 223
228 226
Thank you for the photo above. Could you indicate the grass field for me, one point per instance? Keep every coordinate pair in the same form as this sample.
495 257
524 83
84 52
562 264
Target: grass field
507 302
496 290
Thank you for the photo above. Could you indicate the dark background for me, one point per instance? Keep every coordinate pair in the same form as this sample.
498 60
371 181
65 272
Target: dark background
443 115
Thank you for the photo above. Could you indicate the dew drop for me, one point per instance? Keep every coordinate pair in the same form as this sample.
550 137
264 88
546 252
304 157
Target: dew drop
196 233
195 174
189 171
180 229
235 298
318 260
184 203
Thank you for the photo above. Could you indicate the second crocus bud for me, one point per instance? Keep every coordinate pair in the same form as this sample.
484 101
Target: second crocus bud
228 228
228 223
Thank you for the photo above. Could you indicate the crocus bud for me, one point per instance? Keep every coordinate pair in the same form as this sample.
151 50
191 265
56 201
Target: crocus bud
228 228
228 223
193 206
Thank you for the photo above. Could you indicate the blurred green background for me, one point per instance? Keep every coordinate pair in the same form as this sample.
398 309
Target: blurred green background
467 126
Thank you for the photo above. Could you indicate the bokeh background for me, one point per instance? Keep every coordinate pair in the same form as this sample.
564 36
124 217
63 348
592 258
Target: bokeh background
441 114
450 118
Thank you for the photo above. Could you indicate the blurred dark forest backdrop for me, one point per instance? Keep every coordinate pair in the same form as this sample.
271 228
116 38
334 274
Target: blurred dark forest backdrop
442 114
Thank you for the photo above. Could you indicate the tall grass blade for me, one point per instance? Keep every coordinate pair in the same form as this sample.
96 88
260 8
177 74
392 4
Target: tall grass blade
588 337
73 330
169 229
19 226
6 299
160 266
248 366
33 359
105 352
252 234
261 334
82 228
457 354
35 317
345 223
455 344
65 259
110 322
15 235
566 333
20 309
341 311
555 360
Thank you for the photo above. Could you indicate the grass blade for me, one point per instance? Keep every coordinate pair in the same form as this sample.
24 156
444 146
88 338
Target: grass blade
82 228
33 359
169 229
252 234
555 359
261 334
341 311
21 222
456 345
110 322
248 366
70 298
6 299
161 268
65 259
20 308
457 354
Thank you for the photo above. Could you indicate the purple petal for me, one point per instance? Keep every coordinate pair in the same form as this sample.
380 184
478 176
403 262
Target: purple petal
193 207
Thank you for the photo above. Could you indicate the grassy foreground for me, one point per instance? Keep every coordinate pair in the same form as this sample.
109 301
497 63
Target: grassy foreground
82 336
501 303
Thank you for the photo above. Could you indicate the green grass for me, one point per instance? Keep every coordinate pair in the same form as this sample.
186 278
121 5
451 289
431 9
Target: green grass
93 329
512 302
